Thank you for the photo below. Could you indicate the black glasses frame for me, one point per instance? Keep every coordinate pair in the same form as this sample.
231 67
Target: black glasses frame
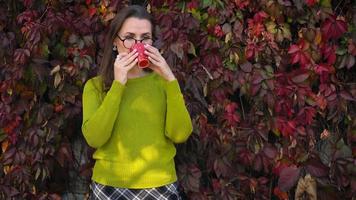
123 40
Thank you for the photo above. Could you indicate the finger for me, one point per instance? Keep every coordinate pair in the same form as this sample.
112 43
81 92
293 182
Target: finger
154 61
130 59
152 55
151 48
155 68
132 64
120 56
128 55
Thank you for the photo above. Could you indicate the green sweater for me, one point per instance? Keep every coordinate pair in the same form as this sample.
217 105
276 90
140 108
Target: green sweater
133 128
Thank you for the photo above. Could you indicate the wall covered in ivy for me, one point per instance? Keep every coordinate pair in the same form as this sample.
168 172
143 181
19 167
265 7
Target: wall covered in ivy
270 86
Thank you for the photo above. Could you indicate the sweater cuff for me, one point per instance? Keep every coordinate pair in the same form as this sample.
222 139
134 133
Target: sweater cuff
117 86
173 89
116 90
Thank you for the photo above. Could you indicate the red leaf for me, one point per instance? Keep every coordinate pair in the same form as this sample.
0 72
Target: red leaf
64 154
221 167
257 163
257 78
323 68
299 54
21 56
193 5
311 2
245 157
333 28
351 48
329 52
306 115
280 194
231 107
346 95
92 11
270 151
249 53
288 178
293 49
279 167
255 89
246 67
286 127
316 168
241 4
350 61
27 3
216 185
218 31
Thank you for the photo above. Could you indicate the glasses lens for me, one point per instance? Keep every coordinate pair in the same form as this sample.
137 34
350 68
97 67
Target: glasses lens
147 41
128 42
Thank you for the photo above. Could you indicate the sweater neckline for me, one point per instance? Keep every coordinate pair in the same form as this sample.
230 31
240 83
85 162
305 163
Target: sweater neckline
141 78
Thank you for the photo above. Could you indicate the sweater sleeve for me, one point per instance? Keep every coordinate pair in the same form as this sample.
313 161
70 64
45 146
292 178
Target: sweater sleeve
99 115
178 121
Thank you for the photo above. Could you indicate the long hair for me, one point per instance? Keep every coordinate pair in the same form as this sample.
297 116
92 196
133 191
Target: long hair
106 70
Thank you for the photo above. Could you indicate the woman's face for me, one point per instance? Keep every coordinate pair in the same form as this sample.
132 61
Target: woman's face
133 28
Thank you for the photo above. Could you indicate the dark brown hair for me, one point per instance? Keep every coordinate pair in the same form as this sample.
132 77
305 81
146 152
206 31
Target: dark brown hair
106 70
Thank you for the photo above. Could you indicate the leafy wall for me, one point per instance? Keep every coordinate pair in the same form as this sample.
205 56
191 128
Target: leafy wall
270 86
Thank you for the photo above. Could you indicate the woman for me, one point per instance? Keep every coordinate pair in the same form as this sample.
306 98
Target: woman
133 116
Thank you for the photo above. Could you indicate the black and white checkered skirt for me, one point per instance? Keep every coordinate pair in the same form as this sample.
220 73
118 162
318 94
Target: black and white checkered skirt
104 192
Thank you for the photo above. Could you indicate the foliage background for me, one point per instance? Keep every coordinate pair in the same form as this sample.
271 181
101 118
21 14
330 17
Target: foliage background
270 86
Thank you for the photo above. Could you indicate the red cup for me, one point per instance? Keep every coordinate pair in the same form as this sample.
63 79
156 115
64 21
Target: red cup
142 57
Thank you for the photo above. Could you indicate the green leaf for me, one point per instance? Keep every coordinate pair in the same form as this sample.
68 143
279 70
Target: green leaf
205 16
341 51
325 3
286 31
60 50
326 152
196 14
45 50
207 3
2 135
271 27
42 89
191 49
276 132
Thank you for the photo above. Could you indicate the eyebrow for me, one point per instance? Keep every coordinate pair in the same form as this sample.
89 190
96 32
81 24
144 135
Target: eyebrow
143 34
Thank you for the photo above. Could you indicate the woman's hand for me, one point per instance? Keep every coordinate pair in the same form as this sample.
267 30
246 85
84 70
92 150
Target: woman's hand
123 63
158 63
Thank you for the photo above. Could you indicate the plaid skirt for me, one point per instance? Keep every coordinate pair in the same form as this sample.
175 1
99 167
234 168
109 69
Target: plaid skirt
104 192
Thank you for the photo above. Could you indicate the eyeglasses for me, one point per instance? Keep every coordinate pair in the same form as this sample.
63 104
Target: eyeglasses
129 41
